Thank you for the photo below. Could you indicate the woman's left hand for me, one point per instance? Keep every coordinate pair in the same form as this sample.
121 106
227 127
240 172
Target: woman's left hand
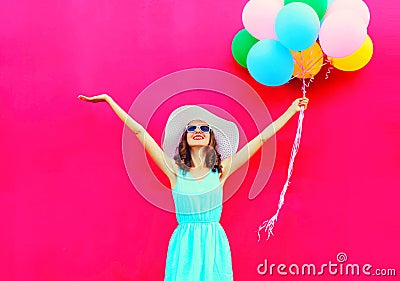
298 103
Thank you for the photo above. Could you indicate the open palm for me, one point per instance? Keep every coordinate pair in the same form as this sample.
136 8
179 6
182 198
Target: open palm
98 98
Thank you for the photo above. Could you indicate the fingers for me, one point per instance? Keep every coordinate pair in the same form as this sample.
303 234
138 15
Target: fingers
98 98
82 97
304 99
303 102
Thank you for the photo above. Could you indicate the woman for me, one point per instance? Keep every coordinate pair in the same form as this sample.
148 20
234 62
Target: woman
198 155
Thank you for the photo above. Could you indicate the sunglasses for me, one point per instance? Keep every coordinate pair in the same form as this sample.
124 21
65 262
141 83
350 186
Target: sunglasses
203 128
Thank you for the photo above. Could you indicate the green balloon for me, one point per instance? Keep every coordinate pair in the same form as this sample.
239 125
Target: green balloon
241 45
319 6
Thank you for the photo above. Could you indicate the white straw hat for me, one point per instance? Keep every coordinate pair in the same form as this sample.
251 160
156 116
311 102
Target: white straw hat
226 133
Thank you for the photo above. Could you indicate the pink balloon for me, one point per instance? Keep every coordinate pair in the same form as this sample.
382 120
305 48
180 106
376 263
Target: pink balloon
259 17
357 6
342 33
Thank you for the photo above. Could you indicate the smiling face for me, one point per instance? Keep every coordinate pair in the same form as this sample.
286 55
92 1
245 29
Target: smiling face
198 138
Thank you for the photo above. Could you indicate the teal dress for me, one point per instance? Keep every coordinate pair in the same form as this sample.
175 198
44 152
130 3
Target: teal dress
198 249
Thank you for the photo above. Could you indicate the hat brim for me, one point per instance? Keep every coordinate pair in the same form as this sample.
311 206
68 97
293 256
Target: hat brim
226 132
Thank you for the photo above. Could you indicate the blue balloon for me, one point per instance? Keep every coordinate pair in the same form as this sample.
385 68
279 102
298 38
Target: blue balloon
270 63
297 26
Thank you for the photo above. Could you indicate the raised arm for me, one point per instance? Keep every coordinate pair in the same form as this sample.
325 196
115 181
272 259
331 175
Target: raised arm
166 163
231 164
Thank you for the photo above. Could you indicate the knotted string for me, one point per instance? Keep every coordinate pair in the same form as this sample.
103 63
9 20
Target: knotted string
268 225
329 68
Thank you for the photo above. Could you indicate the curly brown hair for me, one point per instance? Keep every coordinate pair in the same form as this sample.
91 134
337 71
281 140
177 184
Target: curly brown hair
184 160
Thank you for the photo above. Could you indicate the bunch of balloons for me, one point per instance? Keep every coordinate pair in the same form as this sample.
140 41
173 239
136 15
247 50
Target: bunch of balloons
285 38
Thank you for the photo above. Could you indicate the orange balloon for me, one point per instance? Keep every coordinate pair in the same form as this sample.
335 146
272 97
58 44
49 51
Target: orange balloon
308 63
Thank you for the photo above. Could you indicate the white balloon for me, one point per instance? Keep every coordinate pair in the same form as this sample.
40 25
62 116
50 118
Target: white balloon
357 6
258 17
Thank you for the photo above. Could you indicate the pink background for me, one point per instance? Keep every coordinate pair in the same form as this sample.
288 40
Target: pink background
68 210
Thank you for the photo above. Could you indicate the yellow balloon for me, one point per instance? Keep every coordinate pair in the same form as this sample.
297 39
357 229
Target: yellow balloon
307 63
356 60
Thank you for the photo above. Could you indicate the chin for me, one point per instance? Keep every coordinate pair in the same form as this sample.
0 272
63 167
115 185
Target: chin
194 144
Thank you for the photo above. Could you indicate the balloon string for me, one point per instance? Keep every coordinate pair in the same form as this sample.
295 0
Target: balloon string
268 225
311 56
329 69
308 84
304 87
299 75
297 62
301 64
312 65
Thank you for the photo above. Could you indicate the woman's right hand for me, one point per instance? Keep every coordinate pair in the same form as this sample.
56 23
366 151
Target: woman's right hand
98 98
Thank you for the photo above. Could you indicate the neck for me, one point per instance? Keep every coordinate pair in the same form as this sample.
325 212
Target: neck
198 158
